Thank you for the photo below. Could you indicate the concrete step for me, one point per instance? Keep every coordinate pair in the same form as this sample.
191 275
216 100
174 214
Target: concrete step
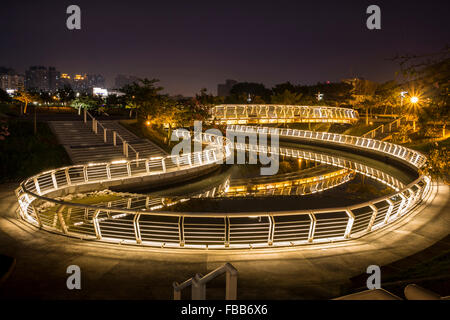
84 146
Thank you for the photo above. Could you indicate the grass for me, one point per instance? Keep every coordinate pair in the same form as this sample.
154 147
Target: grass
429 146
360 128
23 154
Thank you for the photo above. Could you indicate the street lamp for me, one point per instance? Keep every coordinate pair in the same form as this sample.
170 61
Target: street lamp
414 100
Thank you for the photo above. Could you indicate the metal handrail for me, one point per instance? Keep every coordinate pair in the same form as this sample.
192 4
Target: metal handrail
372 133
125 144
270 113
198 283
319 226
411 157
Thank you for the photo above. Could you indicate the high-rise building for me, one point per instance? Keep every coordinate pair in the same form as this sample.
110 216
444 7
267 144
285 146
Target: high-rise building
54 77
223 90
122 81
37 79
10 80
95 80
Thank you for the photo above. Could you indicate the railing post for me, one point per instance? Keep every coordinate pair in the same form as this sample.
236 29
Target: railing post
85 175
69 182
115 138
137 230
312 227
163 163
55 184
61 220
98 232
85 115
181 230
271 230
351 219
372 218
198 288
38 218
231 283
104 134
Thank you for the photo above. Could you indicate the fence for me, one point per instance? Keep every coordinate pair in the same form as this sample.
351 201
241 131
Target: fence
95 124
215 230
409 156
252 113
384 128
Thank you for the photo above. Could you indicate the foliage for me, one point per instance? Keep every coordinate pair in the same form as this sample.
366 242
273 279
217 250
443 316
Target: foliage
25 154
26 98
85 102
287 97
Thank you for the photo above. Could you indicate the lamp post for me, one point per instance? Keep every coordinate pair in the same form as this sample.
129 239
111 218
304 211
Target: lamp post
414 100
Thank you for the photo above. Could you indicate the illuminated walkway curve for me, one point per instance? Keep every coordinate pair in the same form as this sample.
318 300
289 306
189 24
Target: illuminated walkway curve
216 230
269 113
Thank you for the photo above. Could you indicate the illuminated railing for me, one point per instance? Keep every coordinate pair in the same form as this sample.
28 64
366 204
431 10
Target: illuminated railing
151 227
292 186
411 157
253 113
219 148
385 128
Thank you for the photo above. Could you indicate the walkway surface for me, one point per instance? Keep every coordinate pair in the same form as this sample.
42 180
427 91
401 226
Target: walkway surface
118 272
83 145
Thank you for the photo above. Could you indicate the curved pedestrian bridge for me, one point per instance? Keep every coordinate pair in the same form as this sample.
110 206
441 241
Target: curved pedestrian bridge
148 221
265 114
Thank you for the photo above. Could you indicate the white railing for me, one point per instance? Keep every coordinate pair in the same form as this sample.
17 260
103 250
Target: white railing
115 135
212 230
254 113
409 156
384 128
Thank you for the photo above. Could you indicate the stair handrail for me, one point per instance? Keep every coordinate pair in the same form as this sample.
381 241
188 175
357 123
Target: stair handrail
125 145
198 283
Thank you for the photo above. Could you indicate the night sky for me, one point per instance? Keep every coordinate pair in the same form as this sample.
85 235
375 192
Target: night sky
193 44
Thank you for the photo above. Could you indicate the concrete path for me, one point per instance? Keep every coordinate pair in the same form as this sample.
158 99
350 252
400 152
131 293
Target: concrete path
83 145
119 272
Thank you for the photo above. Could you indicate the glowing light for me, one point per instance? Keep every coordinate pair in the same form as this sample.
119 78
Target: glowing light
147 123
119 161
100 92
414 99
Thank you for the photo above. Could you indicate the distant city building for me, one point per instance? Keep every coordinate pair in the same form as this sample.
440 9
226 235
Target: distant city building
81 82
53 79
11 82
122 81
37 79
95 80
223 90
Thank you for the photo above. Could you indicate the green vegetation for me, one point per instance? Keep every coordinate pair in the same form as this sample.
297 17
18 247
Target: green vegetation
360 128
24 154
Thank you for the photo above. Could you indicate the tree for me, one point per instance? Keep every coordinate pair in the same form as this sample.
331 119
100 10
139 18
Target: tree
65 95
84 102
143 97
246 89
26 98
287 97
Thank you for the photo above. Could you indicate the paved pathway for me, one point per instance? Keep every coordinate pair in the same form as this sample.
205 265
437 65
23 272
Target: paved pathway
118 272
84 146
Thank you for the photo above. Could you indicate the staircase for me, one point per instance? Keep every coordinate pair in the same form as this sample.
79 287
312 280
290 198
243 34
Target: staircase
84 146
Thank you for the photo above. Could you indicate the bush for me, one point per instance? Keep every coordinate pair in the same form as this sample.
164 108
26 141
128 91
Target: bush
22 154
